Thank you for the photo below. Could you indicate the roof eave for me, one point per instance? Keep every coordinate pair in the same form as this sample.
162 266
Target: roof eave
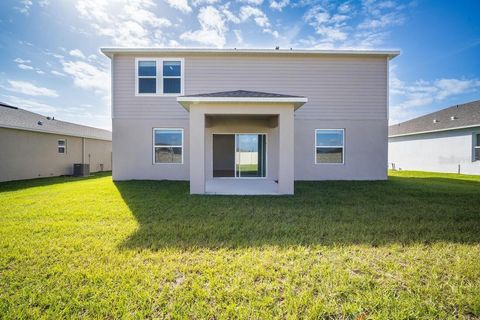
110 51
187 101
432 131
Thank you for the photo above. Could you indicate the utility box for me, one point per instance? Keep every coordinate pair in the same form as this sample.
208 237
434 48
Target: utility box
81 170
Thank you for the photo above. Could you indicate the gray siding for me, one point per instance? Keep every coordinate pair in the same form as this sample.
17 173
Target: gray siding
351 88
436 152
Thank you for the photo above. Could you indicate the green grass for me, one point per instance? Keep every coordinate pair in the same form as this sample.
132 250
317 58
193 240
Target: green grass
406 248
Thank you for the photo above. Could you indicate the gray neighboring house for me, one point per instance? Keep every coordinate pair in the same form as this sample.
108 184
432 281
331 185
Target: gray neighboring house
249 121
34 146
444 141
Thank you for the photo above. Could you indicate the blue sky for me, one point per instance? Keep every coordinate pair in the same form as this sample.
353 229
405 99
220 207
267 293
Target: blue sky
50 60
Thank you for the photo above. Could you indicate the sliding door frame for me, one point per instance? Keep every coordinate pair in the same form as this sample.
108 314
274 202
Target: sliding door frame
235 151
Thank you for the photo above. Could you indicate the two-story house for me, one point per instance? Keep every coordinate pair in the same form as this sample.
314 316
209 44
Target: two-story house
249 121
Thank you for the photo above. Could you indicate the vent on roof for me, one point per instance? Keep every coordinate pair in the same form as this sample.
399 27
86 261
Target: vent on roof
40 123
435 121
453 118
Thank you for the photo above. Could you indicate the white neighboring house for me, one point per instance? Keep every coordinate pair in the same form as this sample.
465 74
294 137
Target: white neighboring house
35 146
444 141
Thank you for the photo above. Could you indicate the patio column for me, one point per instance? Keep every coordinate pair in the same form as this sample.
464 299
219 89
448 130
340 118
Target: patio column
286 151
197 151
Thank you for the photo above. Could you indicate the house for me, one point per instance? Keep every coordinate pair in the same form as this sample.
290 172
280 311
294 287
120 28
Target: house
34 146
444 141
238 121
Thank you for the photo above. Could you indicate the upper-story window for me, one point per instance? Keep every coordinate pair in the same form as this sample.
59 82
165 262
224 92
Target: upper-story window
159 76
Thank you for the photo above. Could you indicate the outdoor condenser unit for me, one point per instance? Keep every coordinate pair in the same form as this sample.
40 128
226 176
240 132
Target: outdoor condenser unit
81 169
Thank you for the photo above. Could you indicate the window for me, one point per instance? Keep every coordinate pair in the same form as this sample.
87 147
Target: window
329 145
168 145
159 76
62 146
476 149
147 76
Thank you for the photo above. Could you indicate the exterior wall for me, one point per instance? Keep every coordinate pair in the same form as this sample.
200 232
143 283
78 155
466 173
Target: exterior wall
28 154
347 87
436 152
343 92
365 150
133 150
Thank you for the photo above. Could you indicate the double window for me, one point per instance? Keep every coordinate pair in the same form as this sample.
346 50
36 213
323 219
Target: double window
159 76
476 148
168 145
62 146
329 145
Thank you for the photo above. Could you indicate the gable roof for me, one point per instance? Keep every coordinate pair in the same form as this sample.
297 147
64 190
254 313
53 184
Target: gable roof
17 118
110 51
455 117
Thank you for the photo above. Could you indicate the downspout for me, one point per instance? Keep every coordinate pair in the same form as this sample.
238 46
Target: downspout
83 150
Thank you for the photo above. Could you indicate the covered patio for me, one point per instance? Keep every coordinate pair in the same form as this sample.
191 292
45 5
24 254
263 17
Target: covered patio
241 142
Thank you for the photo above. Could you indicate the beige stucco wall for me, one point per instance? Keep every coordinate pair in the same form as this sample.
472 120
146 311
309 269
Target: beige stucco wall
28 154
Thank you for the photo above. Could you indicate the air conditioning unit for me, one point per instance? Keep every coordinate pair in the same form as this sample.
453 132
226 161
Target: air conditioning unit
81 169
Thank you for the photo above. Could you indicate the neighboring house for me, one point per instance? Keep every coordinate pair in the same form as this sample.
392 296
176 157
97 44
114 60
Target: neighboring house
34 146
249 121
444 141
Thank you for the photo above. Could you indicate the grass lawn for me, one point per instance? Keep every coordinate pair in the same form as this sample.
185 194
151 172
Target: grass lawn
408 247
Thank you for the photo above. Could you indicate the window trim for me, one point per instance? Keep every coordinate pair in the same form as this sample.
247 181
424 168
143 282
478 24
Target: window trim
342 146
476 145
163 146
64 146
159 77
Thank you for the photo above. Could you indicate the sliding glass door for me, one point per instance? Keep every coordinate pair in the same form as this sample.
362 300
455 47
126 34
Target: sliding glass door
250 155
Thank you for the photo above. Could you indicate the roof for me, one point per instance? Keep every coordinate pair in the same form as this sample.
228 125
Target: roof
456 117
110 51
241 96
17 118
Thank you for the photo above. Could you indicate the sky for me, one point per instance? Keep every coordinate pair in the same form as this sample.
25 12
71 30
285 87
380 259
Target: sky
50 61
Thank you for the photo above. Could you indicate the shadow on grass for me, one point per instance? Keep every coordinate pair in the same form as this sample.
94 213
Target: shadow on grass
47 181
400 210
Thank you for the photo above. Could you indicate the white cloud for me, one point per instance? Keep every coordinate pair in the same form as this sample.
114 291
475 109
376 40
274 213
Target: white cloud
202 2
258 15
254 2
30 89
57 73
349 25
212 28
77 53
181 5
29 104
24 6
238 36
279 5
87 76
19 60
24 66
407 99
125 22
